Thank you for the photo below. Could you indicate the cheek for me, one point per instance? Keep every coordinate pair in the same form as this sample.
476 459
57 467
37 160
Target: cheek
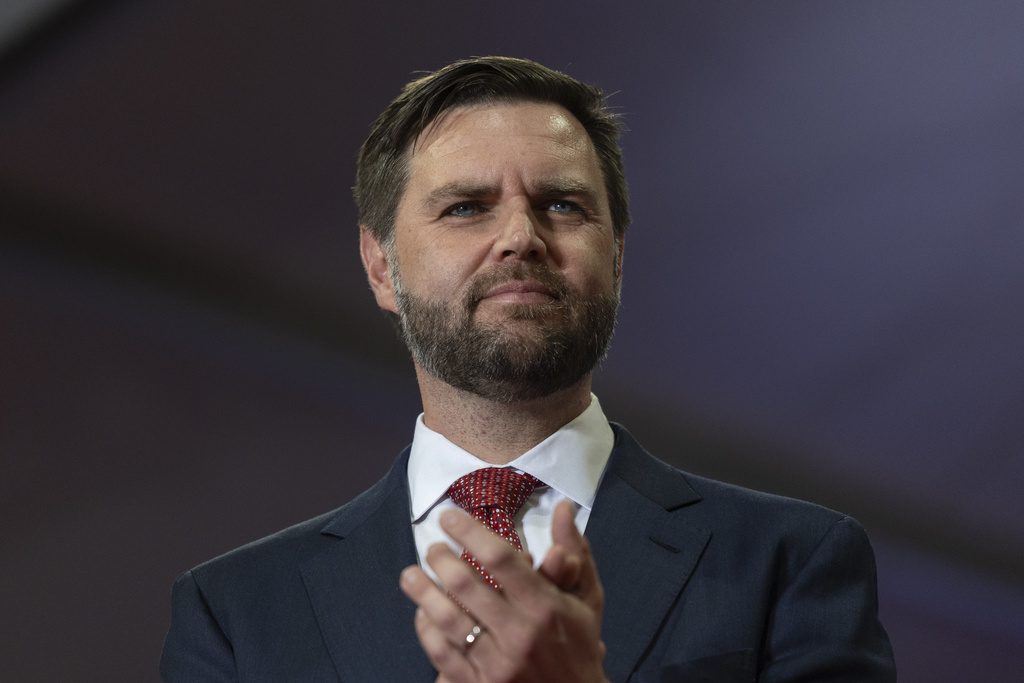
607 277
598 268
431 278
439 265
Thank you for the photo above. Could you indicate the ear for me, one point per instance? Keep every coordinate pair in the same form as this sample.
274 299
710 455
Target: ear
378 272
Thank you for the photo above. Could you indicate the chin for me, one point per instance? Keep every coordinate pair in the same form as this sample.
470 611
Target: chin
525 312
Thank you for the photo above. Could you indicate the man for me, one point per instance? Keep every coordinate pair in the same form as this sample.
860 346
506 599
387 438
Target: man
493 210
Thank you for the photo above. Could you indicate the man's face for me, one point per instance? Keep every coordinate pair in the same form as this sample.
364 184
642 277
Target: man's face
504 262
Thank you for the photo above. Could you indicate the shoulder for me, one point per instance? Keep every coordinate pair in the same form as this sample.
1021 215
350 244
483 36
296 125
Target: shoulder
275 558
789 580
785 533
731 504
266 555
748 518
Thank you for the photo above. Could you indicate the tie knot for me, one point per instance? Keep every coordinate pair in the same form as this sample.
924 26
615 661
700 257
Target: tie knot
500 487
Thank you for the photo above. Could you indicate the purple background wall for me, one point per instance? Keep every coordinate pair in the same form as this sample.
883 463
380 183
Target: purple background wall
824 285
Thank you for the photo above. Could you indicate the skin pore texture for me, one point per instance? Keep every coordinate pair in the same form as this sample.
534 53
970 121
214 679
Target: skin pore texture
503 230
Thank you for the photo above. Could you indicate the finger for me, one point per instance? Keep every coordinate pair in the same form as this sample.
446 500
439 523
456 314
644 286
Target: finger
449 659
562 565
450 618
565 533
464 584
562 568
563 527
504 563
417 586
440 616
462 581
567 538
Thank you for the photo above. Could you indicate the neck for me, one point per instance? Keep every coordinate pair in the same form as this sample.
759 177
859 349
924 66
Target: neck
497 432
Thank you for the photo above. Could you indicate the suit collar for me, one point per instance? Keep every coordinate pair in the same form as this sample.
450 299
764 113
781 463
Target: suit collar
644 550
364 618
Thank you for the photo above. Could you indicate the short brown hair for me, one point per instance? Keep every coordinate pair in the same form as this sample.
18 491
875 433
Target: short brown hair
382 169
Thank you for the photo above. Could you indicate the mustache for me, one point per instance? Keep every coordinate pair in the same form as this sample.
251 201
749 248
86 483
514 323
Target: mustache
505 273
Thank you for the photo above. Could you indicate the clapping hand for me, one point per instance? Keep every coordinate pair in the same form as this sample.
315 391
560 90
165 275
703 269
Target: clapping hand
544 625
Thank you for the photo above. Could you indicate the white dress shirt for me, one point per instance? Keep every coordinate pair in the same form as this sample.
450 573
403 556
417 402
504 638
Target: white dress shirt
570 462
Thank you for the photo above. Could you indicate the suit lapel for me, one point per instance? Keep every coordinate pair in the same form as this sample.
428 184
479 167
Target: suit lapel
644 551
365 619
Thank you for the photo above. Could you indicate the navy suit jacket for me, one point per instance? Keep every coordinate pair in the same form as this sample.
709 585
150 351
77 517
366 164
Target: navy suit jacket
703 582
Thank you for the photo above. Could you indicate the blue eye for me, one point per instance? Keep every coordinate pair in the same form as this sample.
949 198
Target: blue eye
563 206
464 210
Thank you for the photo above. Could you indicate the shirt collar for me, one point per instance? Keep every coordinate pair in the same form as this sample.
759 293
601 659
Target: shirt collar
570 461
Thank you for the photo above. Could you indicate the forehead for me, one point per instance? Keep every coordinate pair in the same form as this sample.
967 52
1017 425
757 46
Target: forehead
487 141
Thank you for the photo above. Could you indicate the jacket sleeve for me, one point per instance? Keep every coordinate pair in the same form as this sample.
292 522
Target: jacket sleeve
824 626
196 648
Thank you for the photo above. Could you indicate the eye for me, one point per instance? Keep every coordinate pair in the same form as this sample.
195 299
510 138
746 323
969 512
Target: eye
463 210
564 206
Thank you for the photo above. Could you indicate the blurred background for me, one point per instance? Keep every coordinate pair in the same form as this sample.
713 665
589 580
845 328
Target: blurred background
823 294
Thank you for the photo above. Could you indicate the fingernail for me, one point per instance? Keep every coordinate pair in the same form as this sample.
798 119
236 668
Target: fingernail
408 576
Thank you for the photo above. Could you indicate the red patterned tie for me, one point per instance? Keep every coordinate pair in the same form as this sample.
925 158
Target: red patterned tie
493 495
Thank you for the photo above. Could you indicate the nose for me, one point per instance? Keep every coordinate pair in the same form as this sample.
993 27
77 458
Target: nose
519 238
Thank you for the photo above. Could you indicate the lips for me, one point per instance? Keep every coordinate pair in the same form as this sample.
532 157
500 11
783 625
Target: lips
517 284
515 290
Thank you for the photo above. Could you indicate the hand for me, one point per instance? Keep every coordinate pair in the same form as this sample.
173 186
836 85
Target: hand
544 625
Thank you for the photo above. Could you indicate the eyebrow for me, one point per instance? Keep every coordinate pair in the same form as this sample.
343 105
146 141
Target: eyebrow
555 187
458 190
547 187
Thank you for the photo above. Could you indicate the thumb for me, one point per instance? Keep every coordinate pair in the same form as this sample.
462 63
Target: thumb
569 564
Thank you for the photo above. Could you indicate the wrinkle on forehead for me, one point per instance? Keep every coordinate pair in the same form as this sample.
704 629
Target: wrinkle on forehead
448 132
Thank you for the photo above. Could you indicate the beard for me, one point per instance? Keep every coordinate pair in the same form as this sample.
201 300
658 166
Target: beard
534 351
